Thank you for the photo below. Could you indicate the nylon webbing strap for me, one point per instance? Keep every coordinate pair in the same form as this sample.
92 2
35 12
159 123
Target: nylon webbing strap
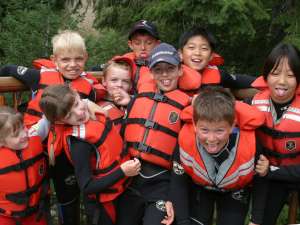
148 149
152 125
28 211
160 98
107 129
280 155
34 112
22 165
278 134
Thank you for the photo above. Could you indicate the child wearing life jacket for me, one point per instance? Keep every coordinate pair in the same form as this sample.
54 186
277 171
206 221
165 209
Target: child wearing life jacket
150 134
69 56
23 183
197 52
95 149
279 101
117 82
217 151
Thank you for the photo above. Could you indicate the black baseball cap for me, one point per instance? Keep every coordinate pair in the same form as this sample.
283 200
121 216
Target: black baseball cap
145 26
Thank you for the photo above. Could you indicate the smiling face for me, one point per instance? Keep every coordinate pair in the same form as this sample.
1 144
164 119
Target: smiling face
16 140
117 77
70 63
166 76
78 113
282 82
196 53
142 45
213 136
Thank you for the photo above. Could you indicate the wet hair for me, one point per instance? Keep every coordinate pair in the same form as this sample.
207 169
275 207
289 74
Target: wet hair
279 52
214 104
197 31
57 101
68 40
116 63
11 121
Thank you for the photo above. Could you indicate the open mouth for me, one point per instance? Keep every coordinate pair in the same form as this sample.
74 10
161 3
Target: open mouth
281 91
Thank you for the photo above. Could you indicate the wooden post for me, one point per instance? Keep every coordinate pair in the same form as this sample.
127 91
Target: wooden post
293 207
2 100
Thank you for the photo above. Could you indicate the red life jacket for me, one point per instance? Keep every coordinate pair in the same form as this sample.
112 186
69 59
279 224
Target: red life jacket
22 180
108 156
153 124
43 63
114 113
280 139
237 171
50 77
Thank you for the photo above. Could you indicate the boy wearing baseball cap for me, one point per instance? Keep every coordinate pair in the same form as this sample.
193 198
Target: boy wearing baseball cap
142 38
150 132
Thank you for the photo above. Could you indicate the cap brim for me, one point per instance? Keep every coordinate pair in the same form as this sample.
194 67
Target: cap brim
166 59
153 34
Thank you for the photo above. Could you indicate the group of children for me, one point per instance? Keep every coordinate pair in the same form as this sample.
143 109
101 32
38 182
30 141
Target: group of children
158 141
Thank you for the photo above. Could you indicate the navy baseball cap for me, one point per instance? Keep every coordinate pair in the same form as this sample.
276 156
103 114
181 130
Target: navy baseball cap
164 53
145 26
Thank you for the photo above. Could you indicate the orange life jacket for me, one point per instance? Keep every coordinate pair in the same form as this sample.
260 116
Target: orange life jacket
234 173
109 154
43 63
22 180
114 113
211 75
50 77
280 139
153 123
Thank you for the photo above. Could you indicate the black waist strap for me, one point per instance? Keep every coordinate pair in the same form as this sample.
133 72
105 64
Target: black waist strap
276 134
160 98
22 197
28 211
148 149
279 155
22 165
151 125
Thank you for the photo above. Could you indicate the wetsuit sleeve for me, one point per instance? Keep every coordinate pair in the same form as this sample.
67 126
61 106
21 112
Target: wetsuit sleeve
289 173
236 81
259 194
29 77
81 153
178 193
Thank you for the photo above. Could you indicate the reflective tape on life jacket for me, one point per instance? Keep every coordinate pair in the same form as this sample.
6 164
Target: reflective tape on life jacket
22 174
235 173
50 77
280 138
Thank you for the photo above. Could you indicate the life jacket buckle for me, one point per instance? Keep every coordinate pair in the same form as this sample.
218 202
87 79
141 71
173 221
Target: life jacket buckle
144 148
159 97
149 124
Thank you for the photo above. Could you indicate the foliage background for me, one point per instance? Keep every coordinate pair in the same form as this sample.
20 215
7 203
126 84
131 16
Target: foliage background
246 30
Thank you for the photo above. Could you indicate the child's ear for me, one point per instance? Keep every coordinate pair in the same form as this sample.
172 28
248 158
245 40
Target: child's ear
53 59
180 55
130 44
180 71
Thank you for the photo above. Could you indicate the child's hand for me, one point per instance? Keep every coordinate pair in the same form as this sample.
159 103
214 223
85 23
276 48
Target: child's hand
131 167
120 97
94 108
262 166
169 218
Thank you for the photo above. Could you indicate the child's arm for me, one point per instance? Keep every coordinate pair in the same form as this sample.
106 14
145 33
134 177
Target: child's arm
81 153
29 77
41 128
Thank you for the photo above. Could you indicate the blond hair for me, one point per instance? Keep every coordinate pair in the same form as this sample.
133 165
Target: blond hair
68 40
11 121
116 63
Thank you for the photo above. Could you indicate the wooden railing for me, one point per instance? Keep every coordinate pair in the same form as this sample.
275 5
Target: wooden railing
15 87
